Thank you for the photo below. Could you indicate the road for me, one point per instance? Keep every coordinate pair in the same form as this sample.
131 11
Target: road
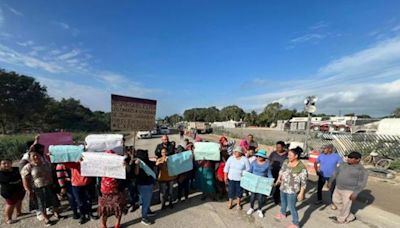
197 213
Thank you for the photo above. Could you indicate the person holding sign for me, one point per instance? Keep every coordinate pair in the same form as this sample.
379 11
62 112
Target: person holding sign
259 167
112 200
204 178
293 181
145 184
233 170
165 181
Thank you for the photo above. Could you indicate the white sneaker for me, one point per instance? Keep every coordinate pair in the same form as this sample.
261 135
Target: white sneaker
260 214
40 217
250 211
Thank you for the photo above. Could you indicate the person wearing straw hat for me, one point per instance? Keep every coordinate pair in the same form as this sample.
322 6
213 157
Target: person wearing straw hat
259 167
233 170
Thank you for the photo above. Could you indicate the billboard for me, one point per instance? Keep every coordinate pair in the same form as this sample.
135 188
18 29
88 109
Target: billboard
132 114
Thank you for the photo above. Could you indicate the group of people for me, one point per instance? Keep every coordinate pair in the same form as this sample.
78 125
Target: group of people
45 183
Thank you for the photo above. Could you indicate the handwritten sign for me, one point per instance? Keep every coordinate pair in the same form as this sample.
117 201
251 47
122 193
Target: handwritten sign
180 163
56 138
65 153
147 169
206 151
103 142
257 184
132 114
103 165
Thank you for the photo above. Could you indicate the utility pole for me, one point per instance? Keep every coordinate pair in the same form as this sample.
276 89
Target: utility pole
309 107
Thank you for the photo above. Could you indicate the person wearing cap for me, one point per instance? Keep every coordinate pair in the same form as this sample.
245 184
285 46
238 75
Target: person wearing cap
325 165
259 167
233 171
351 178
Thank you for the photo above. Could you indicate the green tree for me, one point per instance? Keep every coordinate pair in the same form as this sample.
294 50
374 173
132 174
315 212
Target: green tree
251 118
232 112
270 113
22 100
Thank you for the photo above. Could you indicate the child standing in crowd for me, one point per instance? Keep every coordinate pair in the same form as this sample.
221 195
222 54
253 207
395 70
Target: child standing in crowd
250 155
64 181
293 181
233 170
165 181
112 200
259 167
41 193
11 190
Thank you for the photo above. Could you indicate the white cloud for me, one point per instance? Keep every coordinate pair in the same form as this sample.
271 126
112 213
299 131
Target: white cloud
94 97
13 57
71 54
14 11
396 28
367 81
62 24
65 26
319 25
307 37
26 43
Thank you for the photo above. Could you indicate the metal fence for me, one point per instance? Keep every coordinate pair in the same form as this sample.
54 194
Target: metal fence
385 145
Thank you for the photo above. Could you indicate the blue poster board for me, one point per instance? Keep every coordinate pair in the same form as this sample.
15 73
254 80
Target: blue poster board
65 153
180 163
257 184
207 151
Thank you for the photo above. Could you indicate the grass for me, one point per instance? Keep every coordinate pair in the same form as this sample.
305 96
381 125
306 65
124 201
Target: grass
14 146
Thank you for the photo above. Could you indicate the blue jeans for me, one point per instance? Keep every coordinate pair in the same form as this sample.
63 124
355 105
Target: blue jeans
83 199
259 197
234 189
146 192
289 201
71 198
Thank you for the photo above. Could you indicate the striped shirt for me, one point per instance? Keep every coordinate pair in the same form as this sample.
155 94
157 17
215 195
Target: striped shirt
62 175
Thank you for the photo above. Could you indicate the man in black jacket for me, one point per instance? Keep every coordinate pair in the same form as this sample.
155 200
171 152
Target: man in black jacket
165 143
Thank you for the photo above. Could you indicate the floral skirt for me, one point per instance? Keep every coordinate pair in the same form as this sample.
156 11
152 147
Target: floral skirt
112 204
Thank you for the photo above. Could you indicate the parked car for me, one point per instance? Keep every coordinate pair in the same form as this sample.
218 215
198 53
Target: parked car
155 131
164 131
143 134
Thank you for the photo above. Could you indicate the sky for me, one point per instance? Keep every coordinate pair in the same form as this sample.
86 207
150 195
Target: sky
204 53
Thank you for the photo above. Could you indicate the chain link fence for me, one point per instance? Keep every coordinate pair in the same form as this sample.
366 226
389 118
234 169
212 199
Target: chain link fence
384 145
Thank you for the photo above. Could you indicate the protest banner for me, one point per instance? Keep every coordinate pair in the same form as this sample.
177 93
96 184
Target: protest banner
103 142
206 151
132 114
103 165
65 153
180 163
147 169
56 138
257 184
